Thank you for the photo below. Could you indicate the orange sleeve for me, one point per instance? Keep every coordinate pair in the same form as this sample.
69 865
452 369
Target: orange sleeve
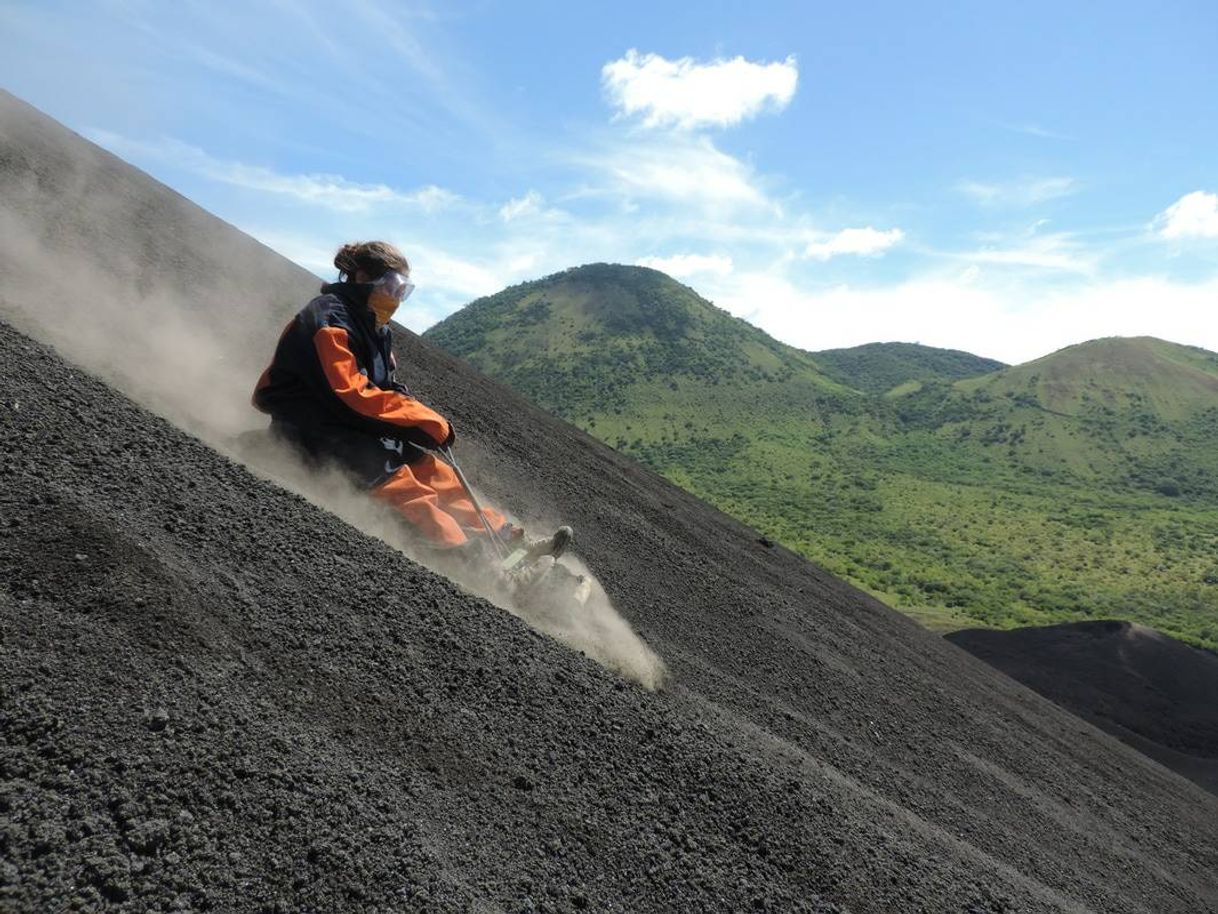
363 397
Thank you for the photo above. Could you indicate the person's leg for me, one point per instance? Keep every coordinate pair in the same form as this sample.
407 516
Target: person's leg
451 498
410 493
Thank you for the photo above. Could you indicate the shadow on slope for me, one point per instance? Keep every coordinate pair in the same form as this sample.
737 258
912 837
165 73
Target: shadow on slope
1149 690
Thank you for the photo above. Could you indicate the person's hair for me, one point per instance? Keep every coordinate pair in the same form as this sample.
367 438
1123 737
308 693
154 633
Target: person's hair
373 257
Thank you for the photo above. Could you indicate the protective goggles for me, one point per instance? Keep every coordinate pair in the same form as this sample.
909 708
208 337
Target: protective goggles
394 284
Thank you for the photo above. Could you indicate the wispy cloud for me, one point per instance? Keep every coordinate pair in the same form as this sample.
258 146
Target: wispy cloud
235 69
1036 130
685 170
687 94
1194 215
1022 192
866 242
396 26
306 252
684 266
528 205
460 275
1054 252
328 191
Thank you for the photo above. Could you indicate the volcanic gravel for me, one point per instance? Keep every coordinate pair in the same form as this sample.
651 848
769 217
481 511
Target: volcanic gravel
217 696
1149 690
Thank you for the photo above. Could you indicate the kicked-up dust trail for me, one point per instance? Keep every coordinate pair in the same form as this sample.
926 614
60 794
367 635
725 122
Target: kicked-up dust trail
186 329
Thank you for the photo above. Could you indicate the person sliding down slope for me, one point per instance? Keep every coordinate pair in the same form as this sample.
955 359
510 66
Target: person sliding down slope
330 391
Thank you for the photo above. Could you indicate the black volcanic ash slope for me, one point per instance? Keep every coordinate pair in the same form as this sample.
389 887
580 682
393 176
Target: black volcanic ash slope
1149 690
217 696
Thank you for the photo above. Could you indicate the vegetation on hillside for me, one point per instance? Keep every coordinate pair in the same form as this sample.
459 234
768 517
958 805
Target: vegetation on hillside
879 367
579 342
1081 485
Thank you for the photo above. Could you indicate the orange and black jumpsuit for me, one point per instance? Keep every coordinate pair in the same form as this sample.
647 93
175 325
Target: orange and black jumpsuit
330 390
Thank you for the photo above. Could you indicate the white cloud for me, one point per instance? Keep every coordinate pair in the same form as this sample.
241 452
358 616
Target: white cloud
866 242
522 263
528 205
1194 215
440 271
686 94
1057 252
1014 322
969 275
306 252
685 171
1023 192
685 265
332 192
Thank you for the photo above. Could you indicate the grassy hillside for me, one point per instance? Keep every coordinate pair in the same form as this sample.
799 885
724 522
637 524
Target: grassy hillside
1128 415
1077 486
879 367
629 348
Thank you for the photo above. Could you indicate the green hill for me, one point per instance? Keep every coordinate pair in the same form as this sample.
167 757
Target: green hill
1127 414
638 356
1080 485
879 367
1118 374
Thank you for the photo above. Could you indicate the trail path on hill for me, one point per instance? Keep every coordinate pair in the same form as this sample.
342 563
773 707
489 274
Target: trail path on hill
217 696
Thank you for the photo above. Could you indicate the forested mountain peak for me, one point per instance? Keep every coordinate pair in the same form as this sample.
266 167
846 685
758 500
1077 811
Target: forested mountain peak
594 331
879 367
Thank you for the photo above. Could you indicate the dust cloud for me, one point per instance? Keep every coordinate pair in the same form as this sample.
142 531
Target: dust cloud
181 313
593 627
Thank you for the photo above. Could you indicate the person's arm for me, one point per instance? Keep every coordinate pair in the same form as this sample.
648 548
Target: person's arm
389 412
264 382
401 388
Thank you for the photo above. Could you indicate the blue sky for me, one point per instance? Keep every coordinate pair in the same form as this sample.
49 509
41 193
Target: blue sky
1001 178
